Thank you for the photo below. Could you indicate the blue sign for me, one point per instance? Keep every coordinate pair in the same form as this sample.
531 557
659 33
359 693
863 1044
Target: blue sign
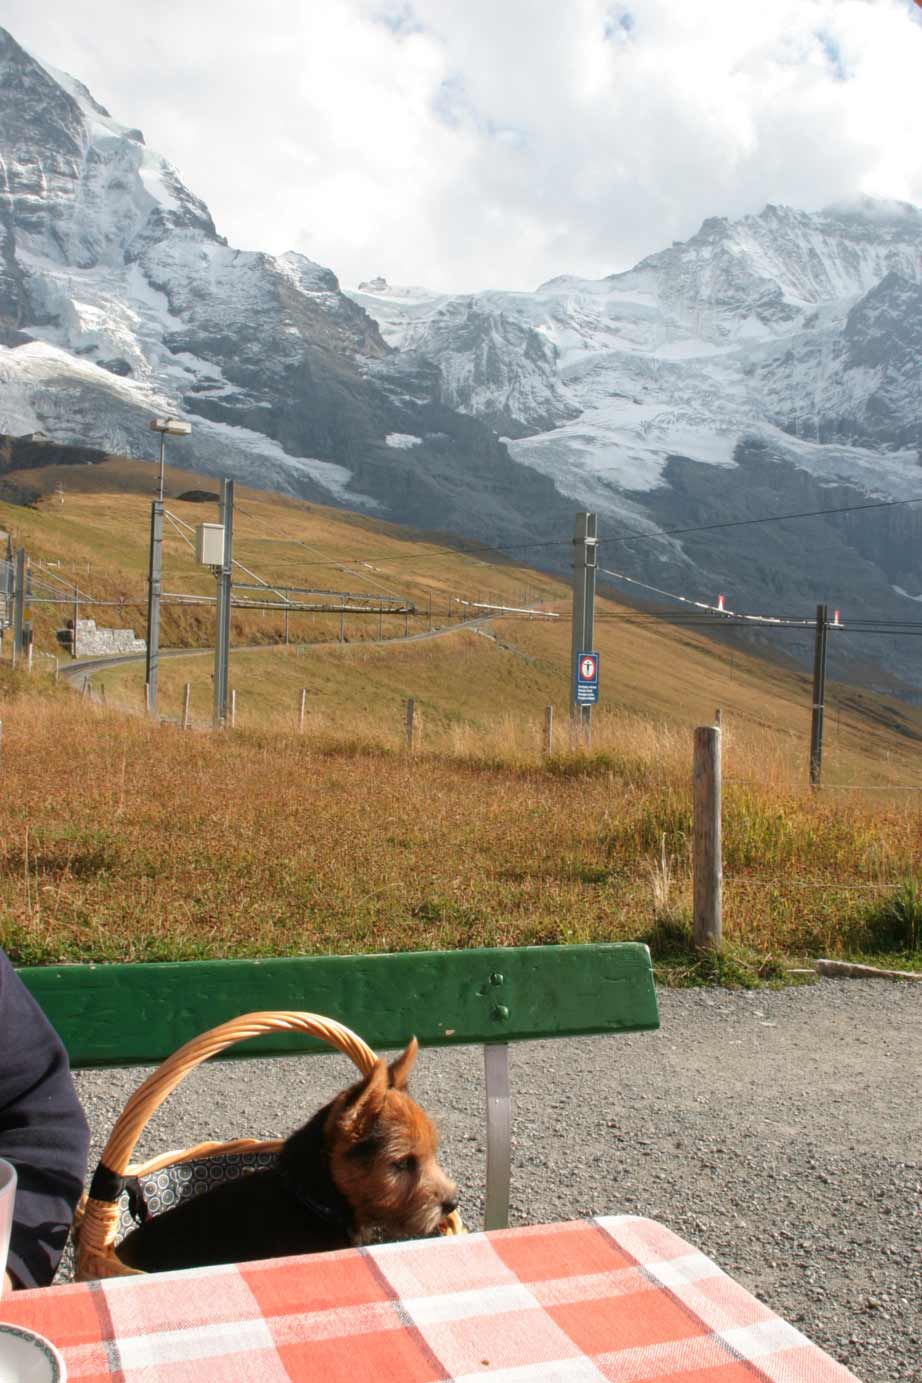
587 679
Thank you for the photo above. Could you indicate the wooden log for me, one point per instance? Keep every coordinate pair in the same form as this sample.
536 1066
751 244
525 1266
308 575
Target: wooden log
849 970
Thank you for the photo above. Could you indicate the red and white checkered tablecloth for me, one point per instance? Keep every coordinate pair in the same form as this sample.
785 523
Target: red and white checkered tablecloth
611 1298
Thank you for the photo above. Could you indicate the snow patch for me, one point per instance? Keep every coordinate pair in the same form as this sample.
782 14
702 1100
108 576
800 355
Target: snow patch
402 441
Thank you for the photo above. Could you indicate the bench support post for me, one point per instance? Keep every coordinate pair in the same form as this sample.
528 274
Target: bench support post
499 1131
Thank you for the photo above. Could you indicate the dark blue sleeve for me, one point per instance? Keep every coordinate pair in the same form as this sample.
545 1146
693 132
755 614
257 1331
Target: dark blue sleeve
43 1132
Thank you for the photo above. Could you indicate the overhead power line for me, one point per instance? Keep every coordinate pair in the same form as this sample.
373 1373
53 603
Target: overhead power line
649 536
765 518
718 609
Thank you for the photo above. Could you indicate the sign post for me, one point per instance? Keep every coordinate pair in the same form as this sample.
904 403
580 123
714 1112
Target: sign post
587 678
585 540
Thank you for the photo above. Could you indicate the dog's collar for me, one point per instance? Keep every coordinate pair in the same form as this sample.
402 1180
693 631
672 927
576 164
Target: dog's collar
336 1212
306 1150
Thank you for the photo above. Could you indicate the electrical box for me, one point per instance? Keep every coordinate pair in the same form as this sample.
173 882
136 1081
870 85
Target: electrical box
209 544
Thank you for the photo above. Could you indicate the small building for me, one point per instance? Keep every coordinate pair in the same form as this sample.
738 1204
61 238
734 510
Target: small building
91 641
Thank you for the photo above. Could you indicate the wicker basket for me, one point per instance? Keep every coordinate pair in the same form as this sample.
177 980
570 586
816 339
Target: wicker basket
103 1217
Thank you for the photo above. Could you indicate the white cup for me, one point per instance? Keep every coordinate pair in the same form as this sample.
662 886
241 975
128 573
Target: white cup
7 1202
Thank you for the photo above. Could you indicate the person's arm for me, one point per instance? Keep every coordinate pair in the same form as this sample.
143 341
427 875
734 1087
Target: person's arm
43 1132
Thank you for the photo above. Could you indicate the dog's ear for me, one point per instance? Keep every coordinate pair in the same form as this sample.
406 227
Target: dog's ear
399 1069
367 1100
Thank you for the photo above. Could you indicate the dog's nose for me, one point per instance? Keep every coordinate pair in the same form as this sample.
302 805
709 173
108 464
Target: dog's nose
449 1206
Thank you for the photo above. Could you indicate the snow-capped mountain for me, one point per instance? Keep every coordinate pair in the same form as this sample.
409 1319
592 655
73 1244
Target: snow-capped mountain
771 364
807 324
766 365
119 300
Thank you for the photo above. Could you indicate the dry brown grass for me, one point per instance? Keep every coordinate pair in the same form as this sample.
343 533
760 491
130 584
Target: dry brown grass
123 840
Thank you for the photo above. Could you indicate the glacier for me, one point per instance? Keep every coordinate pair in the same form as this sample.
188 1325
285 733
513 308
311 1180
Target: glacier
119 300
768 364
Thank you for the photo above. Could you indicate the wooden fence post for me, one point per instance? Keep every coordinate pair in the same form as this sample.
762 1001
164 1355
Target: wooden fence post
186 703
411 720
302 709
708 868
233 707
549 729
819 697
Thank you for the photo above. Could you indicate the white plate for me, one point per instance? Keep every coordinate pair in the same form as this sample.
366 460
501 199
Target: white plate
28 1358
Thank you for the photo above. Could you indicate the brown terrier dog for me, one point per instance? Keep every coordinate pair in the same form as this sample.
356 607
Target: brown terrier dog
364 1167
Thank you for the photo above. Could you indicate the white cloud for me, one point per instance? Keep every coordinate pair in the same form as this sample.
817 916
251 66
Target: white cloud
473 143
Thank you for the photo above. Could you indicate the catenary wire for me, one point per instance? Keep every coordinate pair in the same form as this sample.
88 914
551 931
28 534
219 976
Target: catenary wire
651 536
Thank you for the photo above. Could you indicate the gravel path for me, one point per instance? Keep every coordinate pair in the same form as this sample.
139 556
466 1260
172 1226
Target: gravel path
780 1132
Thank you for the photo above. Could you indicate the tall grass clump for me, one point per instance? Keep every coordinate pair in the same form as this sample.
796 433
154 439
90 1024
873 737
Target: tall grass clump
894 923
124 839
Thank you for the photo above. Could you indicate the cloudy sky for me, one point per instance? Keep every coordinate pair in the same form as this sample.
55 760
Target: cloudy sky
466 144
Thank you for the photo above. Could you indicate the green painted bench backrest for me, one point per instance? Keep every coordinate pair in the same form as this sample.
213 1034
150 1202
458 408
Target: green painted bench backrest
127 1015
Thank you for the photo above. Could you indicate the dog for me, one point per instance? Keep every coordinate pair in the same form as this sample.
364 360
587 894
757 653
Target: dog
363 1168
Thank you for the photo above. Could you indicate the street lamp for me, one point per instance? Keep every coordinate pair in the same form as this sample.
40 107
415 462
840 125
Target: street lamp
167 427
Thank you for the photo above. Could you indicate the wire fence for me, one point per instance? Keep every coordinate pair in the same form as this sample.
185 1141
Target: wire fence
50 587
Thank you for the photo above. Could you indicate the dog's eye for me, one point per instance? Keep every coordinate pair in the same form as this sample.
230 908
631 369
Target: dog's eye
405 1164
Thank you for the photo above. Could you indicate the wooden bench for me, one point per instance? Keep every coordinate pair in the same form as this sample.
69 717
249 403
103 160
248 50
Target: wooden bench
131 1015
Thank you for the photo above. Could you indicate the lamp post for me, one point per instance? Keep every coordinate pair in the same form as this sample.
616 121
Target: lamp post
167 427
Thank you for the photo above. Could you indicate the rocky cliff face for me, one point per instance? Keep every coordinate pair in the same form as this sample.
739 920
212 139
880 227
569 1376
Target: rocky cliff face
771 361
118 300
777 356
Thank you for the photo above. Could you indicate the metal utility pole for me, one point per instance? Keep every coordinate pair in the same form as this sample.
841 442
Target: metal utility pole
19 602
222 635
819 697
584 569
153 604
174 428
6 587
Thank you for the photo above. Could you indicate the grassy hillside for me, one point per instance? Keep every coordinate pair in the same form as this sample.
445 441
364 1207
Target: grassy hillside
119 838
467 684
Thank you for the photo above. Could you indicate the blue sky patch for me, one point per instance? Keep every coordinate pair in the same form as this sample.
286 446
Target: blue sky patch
833 55
400 17
618 24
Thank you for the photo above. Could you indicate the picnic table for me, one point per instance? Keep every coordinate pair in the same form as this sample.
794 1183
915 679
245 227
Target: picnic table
619 1298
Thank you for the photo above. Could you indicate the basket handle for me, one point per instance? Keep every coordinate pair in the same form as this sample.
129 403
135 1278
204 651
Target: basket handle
151 1094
